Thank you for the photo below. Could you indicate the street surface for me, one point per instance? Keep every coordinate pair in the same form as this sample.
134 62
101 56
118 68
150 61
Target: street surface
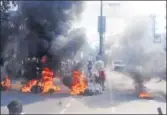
119 98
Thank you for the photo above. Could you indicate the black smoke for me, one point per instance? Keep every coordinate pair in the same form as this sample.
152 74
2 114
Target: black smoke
39 28
47 21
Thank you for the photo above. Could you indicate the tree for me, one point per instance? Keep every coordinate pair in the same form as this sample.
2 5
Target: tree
3 10
6 24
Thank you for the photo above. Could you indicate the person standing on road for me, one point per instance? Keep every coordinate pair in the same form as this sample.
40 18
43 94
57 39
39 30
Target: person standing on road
102 78
99 73
90 64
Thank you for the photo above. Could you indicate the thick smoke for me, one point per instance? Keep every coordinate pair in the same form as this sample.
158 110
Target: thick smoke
44 28
48 20
137 51
143 59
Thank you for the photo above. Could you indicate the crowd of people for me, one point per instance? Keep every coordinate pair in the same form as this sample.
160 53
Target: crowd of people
96 72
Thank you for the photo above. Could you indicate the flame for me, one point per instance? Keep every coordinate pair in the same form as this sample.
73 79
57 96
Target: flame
29 85
6 83
144 95
46 82
79 84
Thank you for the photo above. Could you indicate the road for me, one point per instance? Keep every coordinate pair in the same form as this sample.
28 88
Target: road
35 103
118 98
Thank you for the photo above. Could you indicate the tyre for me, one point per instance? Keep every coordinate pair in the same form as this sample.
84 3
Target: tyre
51 91
2 88
88 92
67 81
36 89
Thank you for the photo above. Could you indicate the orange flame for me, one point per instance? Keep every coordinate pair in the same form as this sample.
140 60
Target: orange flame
79 84
29 85
144 95
6 83
46 83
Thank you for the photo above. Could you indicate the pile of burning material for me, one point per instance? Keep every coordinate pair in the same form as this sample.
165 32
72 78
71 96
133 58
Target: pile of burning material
141 90
145 95
5 83
78 84
44 85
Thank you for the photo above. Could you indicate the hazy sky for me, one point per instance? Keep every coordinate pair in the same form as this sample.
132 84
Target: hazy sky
91 12
145 8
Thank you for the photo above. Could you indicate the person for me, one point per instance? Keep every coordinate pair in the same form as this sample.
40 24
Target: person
99 73
90 64
1 61
159 111
31 68
15 107
44 59
102 77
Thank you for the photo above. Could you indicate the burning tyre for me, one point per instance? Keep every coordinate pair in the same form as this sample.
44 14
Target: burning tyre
67 81
3 88
5 84
88 92
78 84
28 87
44 85
51 91
36 89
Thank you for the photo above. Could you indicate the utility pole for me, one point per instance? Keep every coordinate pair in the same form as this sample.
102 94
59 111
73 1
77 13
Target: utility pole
153 18
156 36
101 30
100 33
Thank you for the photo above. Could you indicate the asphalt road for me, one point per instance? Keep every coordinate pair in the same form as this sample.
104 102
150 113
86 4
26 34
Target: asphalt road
119 97
103 105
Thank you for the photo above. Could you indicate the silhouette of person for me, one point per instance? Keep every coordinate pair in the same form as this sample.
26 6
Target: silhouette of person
15 107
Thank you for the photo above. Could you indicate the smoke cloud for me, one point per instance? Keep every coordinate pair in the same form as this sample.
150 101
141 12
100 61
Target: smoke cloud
43 28
143 58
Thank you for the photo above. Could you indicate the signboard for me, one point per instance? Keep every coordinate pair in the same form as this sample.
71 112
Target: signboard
101 24
156 34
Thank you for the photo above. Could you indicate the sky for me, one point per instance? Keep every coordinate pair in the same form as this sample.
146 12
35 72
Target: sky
116 15
91 12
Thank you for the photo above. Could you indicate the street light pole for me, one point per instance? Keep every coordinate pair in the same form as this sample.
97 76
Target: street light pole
101 33
101 9
153 18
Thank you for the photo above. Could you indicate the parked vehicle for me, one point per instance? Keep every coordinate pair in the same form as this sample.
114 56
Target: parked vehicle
118 65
